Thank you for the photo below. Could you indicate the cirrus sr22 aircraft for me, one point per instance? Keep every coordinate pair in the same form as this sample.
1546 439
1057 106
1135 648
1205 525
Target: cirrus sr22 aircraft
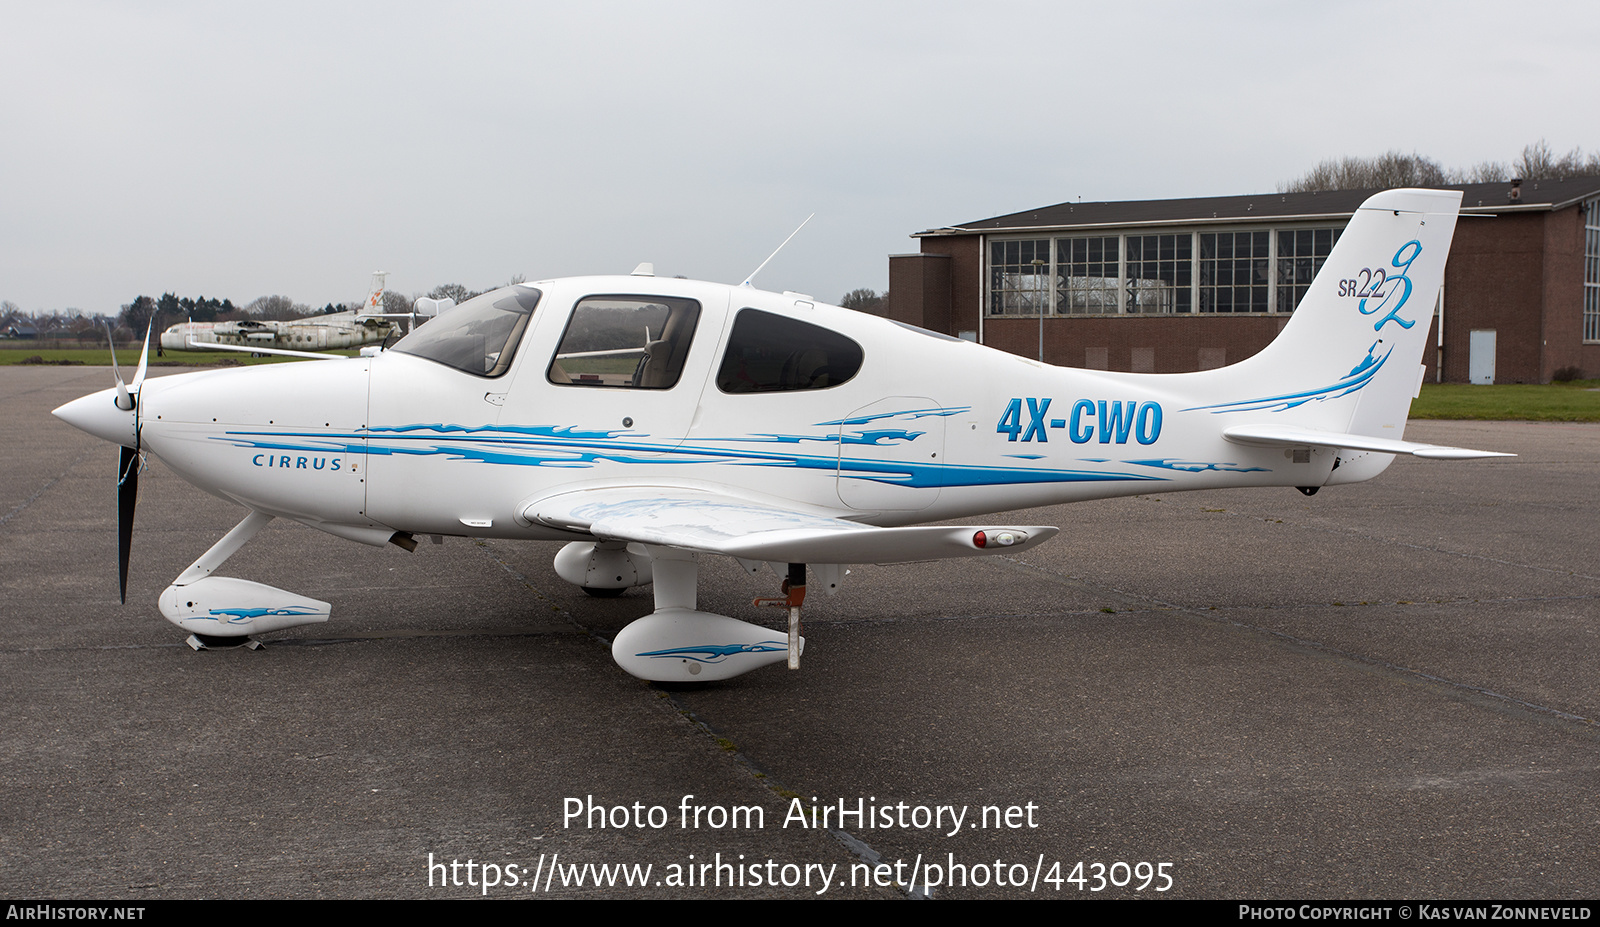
648 422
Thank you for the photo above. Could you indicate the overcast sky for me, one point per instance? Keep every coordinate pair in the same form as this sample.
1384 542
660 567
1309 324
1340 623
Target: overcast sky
238 150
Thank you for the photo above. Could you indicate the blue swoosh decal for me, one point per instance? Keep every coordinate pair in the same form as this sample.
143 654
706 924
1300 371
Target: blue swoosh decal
716 653
1358 377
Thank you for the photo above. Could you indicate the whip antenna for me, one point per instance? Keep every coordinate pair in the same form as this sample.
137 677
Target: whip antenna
775 252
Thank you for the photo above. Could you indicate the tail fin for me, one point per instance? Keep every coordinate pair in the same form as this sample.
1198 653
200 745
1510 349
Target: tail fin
1365 319
1346 367
1349 359
374 303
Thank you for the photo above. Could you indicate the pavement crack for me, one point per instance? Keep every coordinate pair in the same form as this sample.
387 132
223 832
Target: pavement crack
45 488
566 614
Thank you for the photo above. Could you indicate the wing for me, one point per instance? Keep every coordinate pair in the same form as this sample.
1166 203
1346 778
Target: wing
720 524
1297 436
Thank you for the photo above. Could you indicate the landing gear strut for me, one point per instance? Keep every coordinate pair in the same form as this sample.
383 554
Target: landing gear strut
794 594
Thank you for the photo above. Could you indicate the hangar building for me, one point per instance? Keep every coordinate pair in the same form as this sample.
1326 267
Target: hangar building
1168 286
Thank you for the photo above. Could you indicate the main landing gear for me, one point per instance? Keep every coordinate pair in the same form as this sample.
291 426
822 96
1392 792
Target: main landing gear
677 642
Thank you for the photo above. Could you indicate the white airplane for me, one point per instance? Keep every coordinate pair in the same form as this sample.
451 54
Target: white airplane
649 422
350 329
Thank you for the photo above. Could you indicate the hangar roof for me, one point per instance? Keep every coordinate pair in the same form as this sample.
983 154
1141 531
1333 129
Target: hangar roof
1537 195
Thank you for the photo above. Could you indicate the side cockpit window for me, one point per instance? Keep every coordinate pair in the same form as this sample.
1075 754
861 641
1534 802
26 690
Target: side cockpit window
630 342
774 353
479 336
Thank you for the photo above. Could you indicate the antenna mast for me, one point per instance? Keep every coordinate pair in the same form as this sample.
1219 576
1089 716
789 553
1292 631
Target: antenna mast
775 252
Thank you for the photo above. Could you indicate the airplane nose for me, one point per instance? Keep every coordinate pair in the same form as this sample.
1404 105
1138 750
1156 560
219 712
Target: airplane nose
97 414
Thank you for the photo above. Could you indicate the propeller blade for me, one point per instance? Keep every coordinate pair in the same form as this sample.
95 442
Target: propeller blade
124 401
144 361
127 497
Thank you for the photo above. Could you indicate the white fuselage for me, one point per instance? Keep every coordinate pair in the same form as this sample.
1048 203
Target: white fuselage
929 428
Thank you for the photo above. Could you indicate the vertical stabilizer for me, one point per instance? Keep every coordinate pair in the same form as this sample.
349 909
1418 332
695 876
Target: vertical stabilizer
374 303
1343 372
1350 358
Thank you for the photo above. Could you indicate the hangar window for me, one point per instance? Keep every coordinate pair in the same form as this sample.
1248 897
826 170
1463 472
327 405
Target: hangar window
1160 271
1301 253
1260 270
1591 270
1019 277
479 336
1086 275
632 342
774 353
1233 271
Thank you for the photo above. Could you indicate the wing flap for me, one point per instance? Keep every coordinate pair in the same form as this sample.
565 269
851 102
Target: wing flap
1296 436
719 524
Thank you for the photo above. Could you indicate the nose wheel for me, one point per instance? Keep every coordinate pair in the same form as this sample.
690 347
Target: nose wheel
220 608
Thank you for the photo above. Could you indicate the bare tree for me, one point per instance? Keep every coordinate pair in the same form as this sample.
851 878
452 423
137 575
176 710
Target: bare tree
1483 172
1393 169
1390 169
1539 162
276 308
1536 161
395 303
865 300
453 291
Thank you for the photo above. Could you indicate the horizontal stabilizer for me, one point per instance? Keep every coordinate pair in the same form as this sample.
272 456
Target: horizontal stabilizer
1298 436
720 524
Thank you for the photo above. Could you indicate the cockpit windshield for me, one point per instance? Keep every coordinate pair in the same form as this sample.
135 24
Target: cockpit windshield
479 336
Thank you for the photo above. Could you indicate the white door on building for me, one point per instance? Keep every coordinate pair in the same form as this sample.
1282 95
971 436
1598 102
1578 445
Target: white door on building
1480 357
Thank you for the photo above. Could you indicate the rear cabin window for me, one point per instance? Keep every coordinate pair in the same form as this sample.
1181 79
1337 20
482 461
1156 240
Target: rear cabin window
626 342
770 353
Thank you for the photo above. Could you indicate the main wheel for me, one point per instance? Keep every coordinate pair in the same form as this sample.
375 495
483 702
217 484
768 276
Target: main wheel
601 592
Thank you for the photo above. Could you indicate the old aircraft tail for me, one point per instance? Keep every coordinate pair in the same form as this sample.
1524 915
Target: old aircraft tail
374 301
